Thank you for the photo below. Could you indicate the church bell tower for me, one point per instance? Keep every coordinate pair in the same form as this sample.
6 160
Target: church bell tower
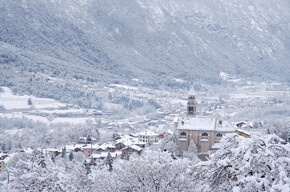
191 103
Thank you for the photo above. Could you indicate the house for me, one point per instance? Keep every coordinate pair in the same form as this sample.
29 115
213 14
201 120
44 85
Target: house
164 134
75 148
111 148
141 144
90 149
82 140
120 145
148 137
204 132
86 140
128 151
54 151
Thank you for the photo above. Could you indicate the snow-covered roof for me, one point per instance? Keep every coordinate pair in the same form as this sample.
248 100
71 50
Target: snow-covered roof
196 123
89 146
79 146
243 131
135 147
105 154
208 124
147 133
70 147
140 143
51 150
225 127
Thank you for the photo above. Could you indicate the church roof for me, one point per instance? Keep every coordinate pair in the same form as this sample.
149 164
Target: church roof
207 124
225 126
196 123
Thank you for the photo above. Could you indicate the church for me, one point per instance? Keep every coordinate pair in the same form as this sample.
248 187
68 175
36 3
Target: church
205 132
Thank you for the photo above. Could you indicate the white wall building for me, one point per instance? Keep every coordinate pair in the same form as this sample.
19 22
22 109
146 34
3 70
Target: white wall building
148 137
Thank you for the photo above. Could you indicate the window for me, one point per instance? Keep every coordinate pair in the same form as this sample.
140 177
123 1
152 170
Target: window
190 110
219 135
183 133
204 134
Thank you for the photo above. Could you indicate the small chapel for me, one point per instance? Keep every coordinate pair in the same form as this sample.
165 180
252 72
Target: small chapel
205 132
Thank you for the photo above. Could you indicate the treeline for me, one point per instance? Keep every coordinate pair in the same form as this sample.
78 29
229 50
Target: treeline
20 133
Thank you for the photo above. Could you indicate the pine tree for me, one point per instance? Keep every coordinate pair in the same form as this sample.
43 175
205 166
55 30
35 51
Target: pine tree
63 152
89 139
109 161
88 167
29 102
52 158
3 147
41 161
71 156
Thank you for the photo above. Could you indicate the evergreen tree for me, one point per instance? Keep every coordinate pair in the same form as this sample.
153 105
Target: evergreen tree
71 156
29 102
41 161
63 152
109 161
52 158
3 147
88 167
89 139
9 146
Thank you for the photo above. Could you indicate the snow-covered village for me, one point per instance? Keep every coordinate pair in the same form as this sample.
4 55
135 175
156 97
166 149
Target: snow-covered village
144 96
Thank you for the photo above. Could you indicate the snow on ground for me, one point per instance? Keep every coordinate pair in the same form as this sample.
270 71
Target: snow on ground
71 120
14 131
10 101
40 106
124 86
41 103
80 120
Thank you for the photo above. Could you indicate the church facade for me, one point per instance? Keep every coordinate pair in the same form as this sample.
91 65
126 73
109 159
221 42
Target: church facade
204 132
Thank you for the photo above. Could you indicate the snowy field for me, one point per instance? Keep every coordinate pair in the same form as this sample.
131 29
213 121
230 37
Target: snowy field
42 109
10 101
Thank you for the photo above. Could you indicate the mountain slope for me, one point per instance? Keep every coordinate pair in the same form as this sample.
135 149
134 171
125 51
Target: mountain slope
146 39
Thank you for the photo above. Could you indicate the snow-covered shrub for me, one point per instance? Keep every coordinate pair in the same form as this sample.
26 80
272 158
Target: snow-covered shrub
152 171
253 164
37 172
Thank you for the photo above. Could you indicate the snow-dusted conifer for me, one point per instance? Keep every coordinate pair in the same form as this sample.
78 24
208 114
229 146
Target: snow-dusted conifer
88 167
71 156
63 152
256 164
29 102
109 161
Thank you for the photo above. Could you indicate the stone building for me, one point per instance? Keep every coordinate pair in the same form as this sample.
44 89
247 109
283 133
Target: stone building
204 132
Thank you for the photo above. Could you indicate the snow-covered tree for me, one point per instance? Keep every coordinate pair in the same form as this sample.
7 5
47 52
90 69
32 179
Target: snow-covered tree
152 171
27 173
169 144
255 164
191 153
109 161
88 167
32 175
63 152
71 156
29 102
